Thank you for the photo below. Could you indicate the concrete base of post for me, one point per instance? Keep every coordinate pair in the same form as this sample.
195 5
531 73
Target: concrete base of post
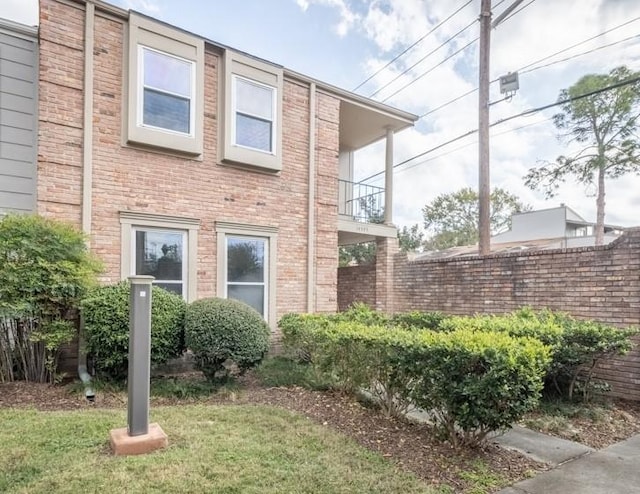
123 444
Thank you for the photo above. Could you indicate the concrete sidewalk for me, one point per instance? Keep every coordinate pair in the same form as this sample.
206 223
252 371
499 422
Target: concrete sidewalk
575 468
578 469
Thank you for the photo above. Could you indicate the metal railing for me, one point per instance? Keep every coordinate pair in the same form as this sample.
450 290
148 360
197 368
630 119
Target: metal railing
361 202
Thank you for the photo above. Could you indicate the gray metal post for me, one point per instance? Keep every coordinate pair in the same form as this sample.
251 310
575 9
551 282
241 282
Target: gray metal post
139 355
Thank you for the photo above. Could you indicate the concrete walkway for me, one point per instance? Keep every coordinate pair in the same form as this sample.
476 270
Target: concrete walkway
577 468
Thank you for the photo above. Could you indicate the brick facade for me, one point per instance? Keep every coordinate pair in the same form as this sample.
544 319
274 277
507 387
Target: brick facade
134 179
599 283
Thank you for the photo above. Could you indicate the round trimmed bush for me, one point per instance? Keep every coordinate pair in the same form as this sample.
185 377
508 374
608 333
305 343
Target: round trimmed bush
217 330
106 323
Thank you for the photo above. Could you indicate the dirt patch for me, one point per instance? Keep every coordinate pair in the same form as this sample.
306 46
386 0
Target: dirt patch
597 426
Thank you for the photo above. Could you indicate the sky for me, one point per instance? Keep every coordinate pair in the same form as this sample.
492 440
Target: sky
343 42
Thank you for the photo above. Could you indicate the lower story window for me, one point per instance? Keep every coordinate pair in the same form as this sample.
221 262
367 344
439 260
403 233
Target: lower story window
162 246
161 254
247 271
246 266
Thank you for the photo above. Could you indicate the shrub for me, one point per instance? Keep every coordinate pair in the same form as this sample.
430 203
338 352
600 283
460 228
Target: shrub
106 321
576 346
475 382
217 330
45 269
418 320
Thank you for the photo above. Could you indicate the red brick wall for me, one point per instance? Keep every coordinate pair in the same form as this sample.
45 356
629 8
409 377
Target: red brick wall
599 283
357 284
127 178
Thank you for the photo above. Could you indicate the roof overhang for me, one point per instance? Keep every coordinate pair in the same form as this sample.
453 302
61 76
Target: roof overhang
363 124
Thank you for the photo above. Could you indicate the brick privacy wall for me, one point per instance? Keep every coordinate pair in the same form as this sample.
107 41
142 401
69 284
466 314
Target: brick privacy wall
598 283
135 179
356 284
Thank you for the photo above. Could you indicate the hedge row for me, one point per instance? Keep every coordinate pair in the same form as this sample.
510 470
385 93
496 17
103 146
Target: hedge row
472 382
576 346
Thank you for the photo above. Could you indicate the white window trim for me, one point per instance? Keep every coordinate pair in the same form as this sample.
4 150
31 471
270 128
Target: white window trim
185 254
274 112
144 32
141 87
130 220
224 229
265 281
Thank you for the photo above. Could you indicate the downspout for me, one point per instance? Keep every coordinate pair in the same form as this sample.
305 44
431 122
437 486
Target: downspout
87 175
311 234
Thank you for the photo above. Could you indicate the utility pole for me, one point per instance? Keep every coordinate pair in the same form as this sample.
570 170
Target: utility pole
484 182
484 187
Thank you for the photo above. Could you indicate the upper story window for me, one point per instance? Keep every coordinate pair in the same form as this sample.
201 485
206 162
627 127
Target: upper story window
167 91
164 107
254 106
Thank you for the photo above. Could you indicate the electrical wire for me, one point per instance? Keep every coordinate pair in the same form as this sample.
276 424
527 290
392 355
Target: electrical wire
517 11
525 68
432 30
528 112
413 165
431 69
408 69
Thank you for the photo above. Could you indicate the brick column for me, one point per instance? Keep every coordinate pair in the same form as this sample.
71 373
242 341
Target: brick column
386 248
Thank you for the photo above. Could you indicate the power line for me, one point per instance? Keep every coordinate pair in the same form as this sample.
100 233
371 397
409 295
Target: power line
436 27
530 111
524 68
444 43
431 69
559 52
597 48
473 143
519 10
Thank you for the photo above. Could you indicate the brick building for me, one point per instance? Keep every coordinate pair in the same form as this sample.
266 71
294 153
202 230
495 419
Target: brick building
214 171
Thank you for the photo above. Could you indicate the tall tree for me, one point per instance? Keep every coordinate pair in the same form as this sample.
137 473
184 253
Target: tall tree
411 238
452 219
605 125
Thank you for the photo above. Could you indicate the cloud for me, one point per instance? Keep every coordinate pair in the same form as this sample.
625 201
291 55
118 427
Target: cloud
22 11
516 146
146 6
347 16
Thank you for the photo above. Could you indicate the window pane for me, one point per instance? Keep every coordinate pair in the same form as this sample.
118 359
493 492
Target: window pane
167 73
166 111
171 287
253 132
249 294
245 260
159 254
254 99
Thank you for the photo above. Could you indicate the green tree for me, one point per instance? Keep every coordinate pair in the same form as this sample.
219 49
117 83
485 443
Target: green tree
410 238
605 125
452 219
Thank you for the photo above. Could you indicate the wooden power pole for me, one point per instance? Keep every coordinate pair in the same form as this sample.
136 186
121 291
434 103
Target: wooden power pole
484 185
484 182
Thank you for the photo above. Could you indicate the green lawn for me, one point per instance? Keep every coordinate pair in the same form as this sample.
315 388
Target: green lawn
213 449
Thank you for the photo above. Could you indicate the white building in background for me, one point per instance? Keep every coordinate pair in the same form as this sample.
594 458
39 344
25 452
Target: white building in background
560 227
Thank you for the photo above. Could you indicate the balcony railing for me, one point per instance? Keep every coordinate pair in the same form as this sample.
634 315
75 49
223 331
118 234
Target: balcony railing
361 202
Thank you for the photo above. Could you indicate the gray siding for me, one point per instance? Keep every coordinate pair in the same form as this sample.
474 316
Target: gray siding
18 117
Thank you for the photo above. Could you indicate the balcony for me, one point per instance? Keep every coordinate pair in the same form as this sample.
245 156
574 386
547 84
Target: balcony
361 213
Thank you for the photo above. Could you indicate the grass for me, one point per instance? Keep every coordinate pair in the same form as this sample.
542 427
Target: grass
555 416
283 371
238 449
